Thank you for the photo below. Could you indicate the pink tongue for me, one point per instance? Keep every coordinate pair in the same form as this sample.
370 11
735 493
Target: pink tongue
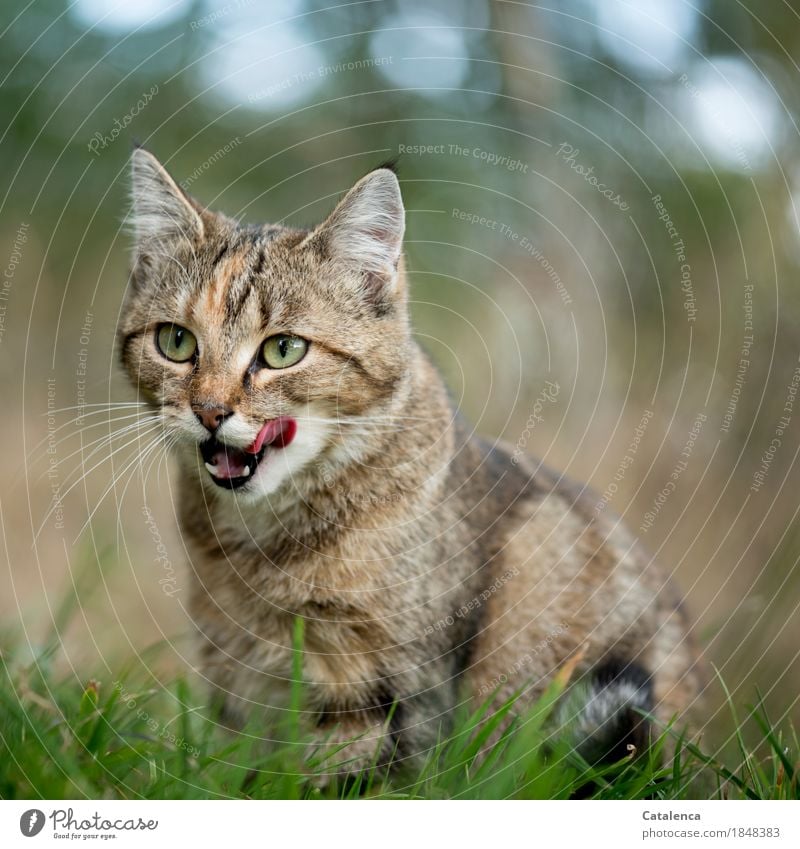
277 433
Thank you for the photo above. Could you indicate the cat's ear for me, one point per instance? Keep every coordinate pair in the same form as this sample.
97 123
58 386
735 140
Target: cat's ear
365 231
162 216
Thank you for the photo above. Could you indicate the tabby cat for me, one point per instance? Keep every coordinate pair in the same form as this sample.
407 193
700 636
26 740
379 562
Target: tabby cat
325 476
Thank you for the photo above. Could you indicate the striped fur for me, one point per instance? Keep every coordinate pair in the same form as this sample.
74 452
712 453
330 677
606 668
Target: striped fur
429 569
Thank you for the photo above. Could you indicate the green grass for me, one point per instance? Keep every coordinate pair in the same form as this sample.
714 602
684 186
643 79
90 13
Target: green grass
119 739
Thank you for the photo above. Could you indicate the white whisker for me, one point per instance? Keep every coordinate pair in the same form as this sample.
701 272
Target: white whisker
67 436
168 440
116 479
60 496
365 419
106 437
109 405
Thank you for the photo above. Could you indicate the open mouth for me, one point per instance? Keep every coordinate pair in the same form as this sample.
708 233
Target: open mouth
232 467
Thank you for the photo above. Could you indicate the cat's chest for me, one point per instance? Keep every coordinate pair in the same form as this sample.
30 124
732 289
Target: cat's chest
251 590
260 631
251 596
269 563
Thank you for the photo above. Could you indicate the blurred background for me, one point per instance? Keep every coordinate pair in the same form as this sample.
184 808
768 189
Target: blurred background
602 242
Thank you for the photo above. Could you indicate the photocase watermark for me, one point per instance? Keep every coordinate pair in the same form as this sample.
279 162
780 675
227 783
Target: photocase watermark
487 157
99 141
523 661
569 155
9 271
625 463
53 479
169 583
66 825
215 157
743 366
218 14
477 219
680 255
160 731
472 604
533 251
523 242
320 73
548 395
32 822
83 360
711 109
680 467
760 475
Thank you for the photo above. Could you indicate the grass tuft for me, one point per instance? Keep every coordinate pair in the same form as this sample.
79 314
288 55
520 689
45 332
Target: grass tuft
120 740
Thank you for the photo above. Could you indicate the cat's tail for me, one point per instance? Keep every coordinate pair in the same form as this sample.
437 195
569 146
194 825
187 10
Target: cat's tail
603 715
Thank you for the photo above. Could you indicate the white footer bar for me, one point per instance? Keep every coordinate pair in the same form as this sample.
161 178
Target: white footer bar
400 824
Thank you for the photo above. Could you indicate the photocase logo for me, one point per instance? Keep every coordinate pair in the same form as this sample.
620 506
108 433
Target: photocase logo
31 822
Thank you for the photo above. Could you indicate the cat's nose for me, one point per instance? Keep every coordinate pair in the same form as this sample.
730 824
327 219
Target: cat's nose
211 417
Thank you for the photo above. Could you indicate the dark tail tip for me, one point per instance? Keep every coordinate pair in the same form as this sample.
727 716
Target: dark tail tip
607 725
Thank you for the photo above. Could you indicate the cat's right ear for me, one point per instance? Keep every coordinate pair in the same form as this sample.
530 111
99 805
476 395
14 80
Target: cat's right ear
365 233
162 216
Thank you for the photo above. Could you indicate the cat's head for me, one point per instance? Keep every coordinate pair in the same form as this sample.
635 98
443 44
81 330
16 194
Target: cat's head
267 349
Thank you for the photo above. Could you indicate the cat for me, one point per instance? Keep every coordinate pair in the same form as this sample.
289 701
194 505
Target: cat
325 475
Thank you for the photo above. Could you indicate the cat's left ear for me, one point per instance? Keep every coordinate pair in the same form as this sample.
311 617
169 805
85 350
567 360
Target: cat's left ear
365 231
162 216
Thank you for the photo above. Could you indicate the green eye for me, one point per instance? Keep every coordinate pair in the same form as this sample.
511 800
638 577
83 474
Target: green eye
282 351
176 343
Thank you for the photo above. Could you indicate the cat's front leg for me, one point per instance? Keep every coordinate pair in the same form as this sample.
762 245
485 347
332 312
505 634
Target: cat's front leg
397 732
350 742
